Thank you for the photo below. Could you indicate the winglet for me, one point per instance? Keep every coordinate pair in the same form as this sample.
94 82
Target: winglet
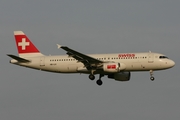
59 46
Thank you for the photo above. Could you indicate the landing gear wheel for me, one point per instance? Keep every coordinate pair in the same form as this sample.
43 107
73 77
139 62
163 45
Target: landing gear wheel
99 82
151 74
91 77
152 78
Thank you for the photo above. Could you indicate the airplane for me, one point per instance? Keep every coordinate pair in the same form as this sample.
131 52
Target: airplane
117 66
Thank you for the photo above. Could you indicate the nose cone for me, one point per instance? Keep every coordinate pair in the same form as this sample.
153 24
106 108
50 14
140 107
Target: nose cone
171 63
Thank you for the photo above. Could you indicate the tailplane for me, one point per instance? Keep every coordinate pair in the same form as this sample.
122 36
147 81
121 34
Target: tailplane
18 59
24 46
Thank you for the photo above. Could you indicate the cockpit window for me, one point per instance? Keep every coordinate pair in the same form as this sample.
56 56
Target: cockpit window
163 57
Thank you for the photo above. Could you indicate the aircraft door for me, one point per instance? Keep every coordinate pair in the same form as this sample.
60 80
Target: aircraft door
150 57
42 61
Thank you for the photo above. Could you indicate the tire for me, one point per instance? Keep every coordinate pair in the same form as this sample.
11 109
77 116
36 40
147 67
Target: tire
99 82
91 77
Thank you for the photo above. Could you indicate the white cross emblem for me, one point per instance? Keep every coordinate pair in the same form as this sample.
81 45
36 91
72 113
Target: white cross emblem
23 44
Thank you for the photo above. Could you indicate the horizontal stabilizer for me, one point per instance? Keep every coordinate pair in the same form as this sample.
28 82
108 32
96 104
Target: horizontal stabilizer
19 59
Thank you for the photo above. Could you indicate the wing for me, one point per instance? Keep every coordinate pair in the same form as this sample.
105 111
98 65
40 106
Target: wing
85 59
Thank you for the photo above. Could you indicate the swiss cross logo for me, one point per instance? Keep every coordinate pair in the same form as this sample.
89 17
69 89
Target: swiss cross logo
23 44
111 66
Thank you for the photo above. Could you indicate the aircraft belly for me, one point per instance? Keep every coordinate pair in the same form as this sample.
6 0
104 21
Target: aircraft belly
62 68
139 66
72 68
143 66
134 66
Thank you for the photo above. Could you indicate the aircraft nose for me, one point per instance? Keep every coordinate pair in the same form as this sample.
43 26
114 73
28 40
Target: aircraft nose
172 63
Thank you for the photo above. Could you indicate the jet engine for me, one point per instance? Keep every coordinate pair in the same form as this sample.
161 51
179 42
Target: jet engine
113 67
121 76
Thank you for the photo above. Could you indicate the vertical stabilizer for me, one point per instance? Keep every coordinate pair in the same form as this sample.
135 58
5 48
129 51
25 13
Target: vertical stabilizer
24 46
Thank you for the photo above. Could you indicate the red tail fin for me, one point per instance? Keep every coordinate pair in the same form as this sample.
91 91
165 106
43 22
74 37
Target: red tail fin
24 45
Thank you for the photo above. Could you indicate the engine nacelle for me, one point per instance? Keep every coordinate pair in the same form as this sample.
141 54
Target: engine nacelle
113 67
121 76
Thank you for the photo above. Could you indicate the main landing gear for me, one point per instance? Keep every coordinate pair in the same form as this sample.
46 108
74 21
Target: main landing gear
151 74
91 77
99 81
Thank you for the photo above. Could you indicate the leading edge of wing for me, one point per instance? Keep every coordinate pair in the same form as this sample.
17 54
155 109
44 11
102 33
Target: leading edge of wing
79 56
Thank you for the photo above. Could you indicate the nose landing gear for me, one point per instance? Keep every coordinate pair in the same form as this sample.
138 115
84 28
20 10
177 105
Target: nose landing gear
151 74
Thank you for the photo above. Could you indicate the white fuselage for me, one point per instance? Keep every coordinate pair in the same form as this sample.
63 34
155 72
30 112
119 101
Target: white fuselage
114 66
66 64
